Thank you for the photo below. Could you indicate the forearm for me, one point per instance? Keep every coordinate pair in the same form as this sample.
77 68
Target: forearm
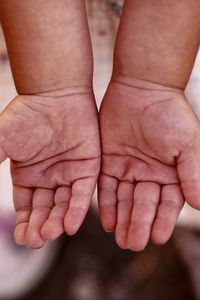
48 43
158 41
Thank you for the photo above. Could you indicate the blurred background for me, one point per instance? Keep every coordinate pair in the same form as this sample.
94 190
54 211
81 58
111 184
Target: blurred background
89 266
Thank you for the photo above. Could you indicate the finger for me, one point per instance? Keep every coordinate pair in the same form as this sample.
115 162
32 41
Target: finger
82 192
54 226
146 199
169 209
124 210
22 198
42 205
189 174
107 200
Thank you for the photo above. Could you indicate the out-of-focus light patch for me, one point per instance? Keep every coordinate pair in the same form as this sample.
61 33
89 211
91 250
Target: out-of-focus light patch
85 288
22 269
6 202
193 88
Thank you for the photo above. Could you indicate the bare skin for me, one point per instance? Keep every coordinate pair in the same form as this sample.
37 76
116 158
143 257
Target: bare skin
50 131
151 154
48 44
150 135
147 168
53 144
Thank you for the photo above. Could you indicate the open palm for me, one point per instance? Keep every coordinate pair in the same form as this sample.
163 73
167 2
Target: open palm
53 143
150 163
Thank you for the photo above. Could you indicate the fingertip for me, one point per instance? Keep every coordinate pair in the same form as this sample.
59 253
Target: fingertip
136 247
20 234
108 225
70 225
194 202
108 217
159 240
138 236
121 241
191 192
34 240
160 234
136 244
51 230
70 230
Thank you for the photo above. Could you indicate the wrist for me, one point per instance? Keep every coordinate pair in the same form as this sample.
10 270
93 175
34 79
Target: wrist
141 83
66 91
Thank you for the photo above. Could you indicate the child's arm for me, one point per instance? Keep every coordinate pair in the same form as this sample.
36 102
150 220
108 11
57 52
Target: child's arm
50 131
150 135
48 44
158 41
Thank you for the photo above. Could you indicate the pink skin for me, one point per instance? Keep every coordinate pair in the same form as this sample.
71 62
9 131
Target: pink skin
150 163
53 143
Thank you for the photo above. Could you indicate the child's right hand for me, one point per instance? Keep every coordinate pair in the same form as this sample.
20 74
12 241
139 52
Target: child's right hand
53 143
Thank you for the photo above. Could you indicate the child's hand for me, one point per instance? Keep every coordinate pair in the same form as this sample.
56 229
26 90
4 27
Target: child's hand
53 143
151 162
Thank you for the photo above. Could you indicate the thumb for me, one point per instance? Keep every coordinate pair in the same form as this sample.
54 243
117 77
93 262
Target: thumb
189 175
